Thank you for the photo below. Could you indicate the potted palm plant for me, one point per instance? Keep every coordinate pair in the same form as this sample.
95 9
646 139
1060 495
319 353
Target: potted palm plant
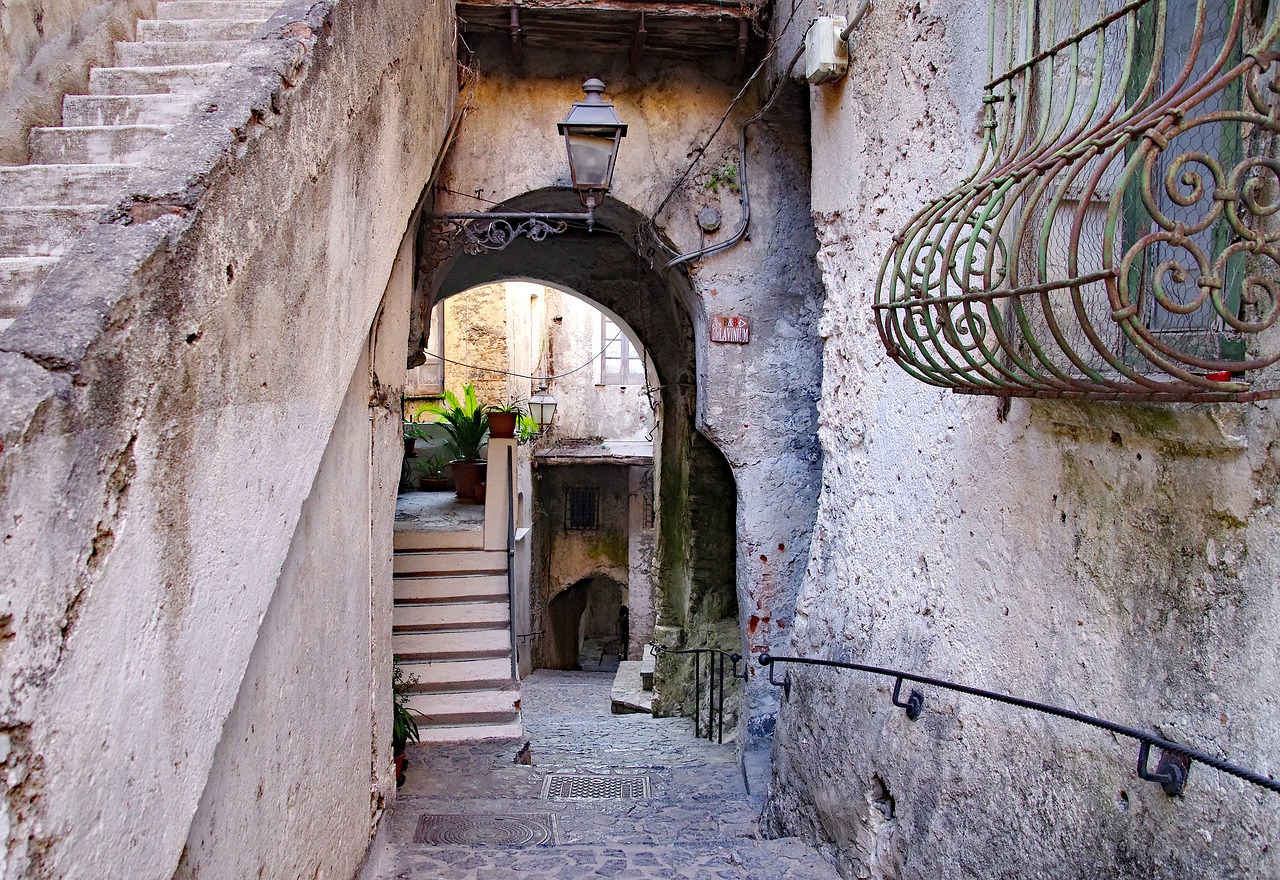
404 728
503 418
465 423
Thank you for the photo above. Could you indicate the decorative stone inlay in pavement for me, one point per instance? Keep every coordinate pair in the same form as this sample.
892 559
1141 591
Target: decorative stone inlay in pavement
573 787
528 829
698 823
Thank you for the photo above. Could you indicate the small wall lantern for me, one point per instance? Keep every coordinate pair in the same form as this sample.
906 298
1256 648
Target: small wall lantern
542 406
592 133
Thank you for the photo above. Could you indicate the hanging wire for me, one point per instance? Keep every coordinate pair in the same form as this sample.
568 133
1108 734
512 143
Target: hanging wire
700 151
594 358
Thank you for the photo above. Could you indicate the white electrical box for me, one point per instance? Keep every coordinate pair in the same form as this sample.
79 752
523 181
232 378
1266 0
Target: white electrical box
826 56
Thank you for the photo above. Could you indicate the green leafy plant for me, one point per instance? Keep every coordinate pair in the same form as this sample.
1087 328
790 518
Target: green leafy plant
404 728
508 408
526 428
415 431
725 176
465 422
431 468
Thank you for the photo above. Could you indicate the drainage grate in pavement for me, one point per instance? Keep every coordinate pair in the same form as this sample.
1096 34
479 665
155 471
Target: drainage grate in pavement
527 829
573 787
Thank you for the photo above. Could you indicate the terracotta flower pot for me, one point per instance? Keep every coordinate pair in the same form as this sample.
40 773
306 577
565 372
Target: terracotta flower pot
502 425
466 476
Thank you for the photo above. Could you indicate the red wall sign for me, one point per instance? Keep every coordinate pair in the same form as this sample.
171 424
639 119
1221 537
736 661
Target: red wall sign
730 328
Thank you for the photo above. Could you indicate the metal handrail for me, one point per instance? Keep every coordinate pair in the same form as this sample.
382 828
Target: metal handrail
1171 770
715 685
511 560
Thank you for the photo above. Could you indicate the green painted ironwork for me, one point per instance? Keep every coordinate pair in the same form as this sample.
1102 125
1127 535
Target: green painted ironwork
1118 238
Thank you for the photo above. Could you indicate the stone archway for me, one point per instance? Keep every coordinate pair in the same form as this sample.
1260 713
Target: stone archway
616 267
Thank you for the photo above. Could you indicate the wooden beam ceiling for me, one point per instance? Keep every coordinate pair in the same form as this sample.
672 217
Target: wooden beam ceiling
690 29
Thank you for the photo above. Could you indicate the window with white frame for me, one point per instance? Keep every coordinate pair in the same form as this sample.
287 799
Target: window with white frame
620 364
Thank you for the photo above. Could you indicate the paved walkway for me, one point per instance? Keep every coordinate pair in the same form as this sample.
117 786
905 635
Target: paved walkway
698 823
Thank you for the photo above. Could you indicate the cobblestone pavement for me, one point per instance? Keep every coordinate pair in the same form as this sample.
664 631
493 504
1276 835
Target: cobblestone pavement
698 824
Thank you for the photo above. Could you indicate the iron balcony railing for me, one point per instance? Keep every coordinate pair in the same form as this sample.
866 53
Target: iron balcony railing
1119 236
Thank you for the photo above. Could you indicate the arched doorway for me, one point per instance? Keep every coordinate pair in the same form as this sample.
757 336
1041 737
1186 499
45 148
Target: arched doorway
616 267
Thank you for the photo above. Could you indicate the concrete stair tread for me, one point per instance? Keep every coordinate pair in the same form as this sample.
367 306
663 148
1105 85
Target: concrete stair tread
450 656
61 184
404 540
175 79
214 9
469 732
440 616
451 687
116 110
460 719
43 230
163 54
19 278
461 669
420 562
153 30
94 144
438 707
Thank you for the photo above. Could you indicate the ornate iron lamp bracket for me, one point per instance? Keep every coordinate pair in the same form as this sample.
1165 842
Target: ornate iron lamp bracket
477 233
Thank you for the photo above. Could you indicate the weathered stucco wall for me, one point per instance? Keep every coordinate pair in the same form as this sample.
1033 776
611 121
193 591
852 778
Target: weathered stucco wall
166 404
1115 559
586 408
672 110
46 50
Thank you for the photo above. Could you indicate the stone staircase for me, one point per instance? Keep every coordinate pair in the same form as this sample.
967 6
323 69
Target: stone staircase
79 167
451 627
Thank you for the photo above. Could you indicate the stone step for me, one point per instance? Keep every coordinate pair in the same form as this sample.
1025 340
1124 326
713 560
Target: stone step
451 588
157 54
19 277
437 674
437 708
94 144
182 79
177 10
81 110
472 539
441 561
452 644
43 231
62 184
197 30
452 615
501 726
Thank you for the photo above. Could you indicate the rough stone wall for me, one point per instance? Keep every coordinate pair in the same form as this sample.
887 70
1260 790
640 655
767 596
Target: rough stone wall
1115 559
475 333
672 109
46 50
570 556
164 408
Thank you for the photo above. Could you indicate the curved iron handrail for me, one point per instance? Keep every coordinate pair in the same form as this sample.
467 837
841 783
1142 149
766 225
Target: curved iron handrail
1171 770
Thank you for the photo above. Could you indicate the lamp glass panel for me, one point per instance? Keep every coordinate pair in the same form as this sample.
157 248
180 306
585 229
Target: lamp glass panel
590 157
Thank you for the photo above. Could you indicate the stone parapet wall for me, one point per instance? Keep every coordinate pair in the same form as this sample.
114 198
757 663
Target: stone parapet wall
165 404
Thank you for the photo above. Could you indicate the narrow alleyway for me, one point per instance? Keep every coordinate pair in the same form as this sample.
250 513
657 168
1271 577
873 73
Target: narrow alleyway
698 822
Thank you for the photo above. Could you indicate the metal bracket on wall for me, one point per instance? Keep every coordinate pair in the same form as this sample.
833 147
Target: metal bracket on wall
1171 770
785 684
914 704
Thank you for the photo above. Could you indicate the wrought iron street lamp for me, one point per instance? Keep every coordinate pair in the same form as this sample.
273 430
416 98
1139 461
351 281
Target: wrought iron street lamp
592 133
542 407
